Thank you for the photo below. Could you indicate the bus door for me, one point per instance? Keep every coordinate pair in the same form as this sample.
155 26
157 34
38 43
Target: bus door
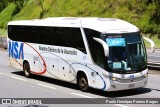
100 63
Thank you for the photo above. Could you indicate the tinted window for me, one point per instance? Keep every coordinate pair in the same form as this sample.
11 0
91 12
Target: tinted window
71 37
67 37
96 49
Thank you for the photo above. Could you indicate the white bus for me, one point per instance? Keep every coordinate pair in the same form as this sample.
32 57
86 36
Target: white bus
103 53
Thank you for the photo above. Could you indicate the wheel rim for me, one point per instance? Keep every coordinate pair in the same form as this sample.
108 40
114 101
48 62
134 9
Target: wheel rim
83 83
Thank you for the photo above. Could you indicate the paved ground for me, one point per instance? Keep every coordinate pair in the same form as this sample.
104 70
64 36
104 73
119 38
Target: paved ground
13 84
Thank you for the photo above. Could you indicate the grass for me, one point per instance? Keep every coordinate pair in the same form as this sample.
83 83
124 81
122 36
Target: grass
135 11
31 10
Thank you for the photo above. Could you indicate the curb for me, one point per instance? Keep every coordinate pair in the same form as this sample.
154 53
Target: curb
153 64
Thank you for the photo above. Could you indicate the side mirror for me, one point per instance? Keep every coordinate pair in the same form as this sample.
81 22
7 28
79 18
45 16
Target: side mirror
151 43
104 44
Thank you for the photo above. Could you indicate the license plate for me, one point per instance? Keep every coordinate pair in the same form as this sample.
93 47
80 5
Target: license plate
131 85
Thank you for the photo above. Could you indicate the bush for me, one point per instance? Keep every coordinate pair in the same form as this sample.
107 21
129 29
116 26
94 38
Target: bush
142 13
31 10
7 14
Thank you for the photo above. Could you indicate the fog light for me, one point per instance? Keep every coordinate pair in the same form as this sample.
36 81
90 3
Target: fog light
145 75
113 78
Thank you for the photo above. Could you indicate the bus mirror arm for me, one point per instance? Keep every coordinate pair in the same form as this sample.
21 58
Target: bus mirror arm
151 43
105 46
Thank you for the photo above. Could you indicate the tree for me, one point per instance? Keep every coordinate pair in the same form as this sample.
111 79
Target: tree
40 3
3 4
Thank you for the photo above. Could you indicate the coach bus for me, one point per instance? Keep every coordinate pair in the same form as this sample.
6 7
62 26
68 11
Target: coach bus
103 53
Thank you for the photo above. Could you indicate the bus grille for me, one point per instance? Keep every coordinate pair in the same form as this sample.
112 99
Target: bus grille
130 80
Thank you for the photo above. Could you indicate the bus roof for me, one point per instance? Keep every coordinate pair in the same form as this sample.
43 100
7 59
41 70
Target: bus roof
104 25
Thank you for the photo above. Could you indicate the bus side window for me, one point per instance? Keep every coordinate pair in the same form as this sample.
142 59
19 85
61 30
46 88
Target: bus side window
96 49
61 33
10 32
23 34
45 35
54 39
71 37
19 33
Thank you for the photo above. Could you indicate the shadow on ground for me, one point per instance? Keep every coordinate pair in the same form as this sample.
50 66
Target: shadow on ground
125 93
154 68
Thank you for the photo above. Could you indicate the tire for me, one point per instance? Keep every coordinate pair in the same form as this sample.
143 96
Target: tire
83 82
26 70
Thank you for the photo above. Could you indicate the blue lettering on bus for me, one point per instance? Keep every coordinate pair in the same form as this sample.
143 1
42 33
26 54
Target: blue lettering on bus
15 50
131 76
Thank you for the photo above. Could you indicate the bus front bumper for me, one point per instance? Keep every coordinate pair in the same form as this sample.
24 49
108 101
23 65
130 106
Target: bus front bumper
116 86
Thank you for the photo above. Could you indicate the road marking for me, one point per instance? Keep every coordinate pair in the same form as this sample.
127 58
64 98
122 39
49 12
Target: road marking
1 73
46 86
18 78
82 95
120 105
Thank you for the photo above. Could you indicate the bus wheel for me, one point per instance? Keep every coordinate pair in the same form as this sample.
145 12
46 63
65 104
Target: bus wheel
26 69
83 82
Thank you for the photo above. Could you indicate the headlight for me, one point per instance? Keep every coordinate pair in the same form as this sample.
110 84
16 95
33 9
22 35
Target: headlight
110 77
145 75
113 78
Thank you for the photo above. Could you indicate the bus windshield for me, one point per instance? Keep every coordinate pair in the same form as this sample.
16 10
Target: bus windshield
127 53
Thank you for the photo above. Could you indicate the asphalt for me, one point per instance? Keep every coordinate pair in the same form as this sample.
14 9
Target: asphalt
13 84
